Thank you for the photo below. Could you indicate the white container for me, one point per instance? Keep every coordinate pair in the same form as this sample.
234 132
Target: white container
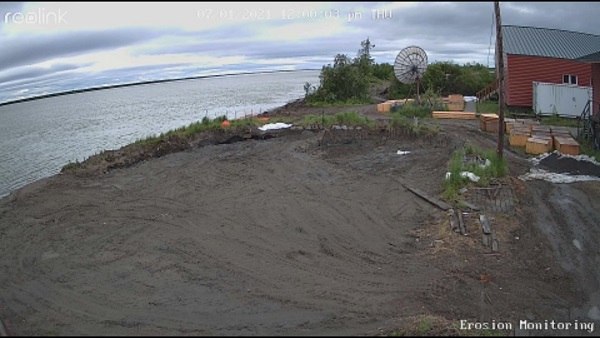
562 99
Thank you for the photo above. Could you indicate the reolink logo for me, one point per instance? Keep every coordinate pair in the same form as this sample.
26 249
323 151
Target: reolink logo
41 16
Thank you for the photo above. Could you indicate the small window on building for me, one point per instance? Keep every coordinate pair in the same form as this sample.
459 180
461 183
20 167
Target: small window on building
570 79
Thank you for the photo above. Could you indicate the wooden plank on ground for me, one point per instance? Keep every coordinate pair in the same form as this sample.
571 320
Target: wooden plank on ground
436 202
485 225
461 223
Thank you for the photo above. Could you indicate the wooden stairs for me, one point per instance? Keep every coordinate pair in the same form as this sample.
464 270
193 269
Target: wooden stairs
488 91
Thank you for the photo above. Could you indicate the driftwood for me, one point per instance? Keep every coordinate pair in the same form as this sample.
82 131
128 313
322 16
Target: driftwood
437 203
485 225
494 243
461 224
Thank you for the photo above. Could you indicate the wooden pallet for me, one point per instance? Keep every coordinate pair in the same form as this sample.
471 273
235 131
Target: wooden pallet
453 115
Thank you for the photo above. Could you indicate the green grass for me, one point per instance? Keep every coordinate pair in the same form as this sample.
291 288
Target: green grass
487 107
587 148
422 129
559 121
346 103
349 118
498 168
413 110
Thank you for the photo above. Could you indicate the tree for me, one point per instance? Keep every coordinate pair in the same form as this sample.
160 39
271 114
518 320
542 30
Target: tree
363 57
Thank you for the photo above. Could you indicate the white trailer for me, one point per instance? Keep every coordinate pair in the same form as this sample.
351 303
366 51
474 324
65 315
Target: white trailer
560 99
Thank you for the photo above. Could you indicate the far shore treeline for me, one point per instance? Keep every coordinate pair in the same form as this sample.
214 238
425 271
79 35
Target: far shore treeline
348 81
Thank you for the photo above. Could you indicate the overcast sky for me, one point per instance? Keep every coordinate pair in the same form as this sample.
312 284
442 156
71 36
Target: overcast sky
51 47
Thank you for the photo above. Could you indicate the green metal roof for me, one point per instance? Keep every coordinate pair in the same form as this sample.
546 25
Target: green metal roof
551 43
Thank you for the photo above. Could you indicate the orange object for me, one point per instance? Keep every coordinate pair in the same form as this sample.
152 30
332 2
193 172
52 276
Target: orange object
225 123
263 119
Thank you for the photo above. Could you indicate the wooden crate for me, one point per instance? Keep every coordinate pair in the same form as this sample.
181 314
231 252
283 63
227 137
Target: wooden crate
518 137
540 129
456 106
541 134
538 146
491 126
385 107
456 98
566 145
508 126
453 115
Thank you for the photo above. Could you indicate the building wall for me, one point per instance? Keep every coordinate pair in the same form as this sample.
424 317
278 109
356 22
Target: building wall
596 89
522 71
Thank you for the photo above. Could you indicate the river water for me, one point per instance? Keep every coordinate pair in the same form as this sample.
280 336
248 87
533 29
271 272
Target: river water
38 137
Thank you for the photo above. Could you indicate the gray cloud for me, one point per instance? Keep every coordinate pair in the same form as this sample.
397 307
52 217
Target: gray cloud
21 51
457 31
26 73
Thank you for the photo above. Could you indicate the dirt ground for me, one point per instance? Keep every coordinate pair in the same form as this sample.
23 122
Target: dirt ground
307 233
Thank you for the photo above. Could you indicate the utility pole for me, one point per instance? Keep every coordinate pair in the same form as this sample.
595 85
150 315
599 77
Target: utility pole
500 77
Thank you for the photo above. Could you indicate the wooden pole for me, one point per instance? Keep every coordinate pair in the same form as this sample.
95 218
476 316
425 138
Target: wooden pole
500 76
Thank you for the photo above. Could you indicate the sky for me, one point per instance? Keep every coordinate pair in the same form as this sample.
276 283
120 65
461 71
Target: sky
53 47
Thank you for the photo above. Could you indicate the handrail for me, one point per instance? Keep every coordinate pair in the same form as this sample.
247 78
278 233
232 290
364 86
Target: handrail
488 89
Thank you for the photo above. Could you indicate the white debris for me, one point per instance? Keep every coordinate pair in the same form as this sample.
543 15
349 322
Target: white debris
541 174
577 244
536 160
465 174
486 164
470 98
402 152
272 126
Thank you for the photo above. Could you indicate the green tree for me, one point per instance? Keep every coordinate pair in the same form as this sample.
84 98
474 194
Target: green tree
363 57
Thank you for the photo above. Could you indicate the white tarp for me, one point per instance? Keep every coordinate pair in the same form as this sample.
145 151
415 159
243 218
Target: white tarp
273 126
541 174
470 98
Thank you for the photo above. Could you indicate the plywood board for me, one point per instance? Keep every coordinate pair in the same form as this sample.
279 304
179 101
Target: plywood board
453 115
538 146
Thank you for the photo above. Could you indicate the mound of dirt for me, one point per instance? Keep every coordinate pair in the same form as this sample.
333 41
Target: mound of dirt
569 165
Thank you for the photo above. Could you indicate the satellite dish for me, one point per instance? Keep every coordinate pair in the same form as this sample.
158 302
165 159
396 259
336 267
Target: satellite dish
410 66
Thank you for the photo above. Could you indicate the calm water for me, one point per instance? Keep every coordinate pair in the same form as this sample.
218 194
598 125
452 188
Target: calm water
38 137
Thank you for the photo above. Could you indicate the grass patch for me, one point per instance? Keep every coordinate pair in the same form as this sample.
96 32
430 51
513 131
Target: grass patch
487 167
413 110
559 121
587 148
408 124
487 107
350 118
350 102
175 139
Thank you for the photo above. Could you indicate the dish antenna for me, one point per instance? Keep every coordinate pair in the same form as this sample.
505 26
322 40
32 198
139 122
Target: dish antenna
410 66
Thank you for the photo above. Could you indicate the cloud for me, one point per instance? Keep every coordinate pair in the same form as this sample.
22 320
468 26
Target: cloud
19 51
124 42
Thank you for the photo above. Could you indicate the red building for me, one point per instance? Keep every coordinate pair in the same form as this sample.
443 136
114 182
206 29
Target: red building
551 56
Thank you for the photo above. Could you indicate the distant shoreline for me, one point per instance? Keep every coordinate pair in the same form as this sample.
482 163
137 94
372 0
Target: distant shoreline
77 91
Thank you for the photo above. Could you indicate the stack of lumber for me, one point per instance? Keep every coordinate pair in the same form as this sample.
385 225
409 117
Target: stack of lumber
566 145
387 105
518 135
564 142
489 122
538 145
456 102
540 141
453 115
